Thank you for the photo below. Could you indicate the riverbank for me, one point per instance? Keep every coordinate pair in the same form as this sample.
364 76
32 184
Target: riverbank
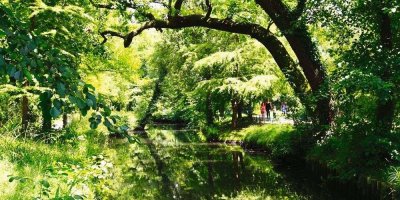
284 142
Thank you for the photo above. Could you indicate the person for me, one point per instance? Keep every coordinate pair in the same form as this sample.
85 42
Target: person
273 113
268 108
262 108
284 108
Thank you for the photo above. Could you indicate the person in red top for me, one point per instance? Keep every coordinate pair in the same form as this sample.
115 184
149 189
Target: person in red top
263 109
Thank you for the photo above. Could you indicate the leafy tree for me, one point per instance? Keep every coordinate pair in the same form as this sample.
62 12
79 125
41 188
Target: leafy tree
41 47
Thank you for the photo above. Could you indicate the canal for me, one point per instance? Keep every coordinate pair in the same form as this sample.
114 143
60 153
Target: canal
177 164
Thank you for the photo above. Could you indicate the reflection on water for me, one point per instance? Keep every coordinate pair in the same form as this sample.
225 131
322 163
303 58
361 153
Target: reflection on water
176 165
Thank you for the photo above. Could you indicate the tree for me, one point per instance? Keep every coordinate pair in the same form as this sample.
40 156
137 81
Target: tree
32 55
368 55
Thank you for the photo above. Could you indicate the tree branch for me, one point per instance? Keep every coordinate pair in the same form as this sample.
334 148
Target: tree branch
298 11
177 22
209 9
270 23
106 6
277 10
104 34
113 6
178 5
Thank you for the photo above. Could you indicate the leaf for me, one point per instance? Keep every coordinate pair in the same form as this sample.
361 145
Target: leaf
55 112
2 33
107 122
79 197
23 180
44 183
17 75
2 62
11 70
90 86
28 75
107 111
61 89
78 102
89 102
93 125
12 178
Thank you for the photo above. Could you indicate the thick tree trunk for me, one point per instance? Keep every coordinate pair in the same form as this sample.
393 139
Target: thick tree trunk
385 110
240 110
45 105
309 59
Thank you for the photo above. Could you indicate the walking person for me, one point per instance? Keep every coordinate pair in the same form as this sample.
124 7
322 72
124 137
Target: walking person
284 108
268 109
273 113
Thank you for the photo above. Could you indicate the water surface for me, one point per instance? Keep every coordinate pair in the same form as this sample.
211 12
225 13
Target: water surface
177 165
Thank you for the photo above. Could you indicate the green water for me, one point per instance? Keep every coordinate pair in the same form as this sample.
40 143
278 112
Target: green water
178 165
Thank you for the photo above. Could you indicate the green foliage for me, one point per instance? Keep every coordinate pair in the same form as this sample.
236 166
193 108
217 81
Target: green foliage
208 73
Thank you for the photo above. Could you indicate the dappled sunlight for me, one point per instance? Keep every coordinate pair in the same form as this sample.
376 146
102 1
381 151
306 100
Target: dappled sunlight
189 99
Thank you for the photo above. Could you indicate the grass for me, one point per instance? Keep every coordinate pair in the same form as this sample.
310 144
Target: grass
80 154
278 139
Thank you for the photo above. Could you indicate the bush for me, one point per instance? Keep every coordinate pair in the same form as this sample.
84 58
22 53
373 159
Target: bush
356 148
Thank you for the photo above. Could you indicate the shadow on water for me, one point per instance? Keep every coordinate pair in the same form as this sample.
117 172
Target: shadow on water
189 169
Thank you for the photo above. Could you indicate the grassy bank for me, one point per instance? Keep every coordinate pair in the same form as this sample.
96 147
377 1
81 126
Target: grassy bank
279 139
80 162
338 154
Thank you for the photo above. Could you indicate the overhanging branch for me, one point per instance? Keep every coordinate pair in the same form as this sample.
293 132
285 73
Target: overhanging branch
104 34
177 22
294 76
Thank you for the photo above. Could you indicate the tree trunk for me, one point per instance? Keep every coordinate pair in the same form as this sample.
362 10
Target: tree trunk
45 105
25 113
65 120
386 106
300 41
234 104
240 110
250 111
222 111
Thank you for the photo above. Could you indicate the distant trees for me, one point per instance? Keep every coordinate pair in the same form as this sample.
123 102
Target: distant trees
205 77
